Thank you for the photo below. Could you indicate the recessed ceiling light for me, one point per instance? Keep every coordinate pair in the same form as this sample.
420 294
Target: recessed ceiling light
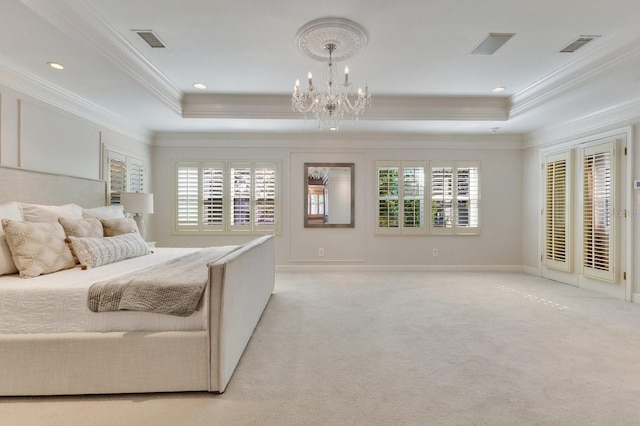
200 86
55 65
498 89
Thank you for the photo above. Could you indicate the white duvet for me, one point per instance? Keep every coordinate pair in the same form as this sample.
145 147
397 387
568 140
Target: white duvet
57 303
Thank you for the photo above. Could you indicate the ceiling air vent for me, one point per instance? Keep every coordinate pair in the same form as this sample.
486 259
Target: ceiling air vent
577 44
151 39
493 42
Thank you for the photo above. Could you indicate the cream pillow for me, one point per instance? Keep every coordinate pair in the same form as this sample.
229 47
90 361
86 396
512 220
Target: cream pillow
94 252
106 212
43 213
113 227
37 247
85 228
10 210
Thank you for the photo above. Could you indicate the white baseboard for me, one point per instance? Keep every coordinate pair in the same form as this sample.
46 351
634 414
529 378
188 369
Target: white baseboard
531 271
635 297
400 268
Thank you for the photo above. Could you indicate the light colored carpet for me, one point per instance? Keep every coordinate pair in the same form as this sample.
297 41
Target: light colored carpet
405 349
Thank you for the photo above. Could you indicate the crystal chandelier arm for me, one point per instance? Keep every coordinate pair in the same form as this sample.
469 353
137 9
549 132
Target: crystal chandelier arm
302 103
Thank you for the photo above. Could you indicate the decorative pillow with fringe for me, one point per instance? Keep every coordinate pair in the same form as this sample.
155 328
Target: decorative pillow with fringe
94 252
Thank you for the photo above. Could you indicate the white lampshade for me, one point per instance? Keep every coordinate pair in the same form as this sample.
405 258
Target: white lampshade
137 202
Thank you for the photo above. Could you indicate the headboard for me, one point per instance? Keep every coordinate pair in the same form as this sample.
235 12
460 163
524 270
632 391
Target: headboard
46 188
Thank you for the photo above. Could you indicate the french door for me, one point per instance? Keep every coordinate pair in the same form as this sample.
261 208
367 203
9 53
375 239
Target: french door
583 217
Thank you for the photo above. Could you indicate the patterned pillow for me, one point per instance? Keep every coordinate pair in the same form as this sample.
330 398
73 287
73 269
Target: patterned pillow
94 252
37 247
85 228
10 210
113 227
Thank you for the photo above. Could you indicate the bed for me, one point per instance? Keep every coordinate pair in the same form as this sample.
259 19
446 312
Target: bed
57 352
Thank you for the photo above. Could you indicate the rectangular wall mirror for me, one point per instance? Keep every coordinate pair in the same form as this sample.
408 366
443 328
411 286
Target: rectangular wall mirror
329 190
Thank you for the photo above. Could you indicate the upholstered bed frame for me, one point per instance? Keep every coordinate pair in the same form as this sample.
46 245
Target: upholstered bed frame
240 285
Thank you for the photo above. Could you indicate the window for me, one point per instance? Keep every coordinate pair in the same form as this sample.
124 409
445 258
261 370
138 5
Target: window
227 196
455 197
124 173
599 203
403 202
557 211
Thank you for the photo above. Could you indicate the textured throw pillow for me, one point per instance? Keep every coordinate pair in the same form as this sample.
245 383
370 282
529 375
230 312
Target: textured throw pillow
37 248
43 213
85 228
113 227
94 252
10 210
105 212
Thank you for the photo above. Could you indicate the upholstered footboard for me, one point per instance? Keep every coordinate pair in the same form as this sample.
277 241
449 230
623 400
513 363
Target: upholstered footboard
240 283
243 281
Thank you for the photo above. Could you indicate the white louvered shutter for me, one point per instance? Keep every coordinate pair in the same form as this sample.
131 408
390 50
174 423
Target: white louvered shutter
117 176
557 212
388 197
240 194
413 196
599 201
136 170
265 187
412 193
467 197
442 197
187 197
213 196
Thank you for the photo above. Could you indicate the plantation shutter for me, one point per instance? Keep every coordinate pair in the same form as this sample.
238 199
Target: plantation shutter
412 194
265 197
240 196
598 212
135 175
187 196
557 225
442 197
467 195
123 174
117 176
213 196
227 197
388 197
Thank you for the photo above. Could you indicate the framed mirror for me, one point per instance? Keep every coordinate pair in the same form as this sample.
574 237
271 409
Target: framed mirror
329 190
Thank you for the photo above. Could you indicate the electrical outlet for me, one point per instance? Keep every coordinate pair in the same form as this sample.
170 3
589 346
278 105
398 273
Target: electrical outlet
320 252
435 252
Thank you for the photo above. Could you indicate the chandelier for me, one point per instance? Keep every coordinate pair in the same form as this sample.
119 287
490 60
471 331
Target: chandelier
330 40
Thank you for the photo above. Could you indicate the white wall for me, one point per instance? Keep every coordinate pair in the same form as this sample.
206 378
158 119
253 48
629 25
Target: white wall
499 244
37 136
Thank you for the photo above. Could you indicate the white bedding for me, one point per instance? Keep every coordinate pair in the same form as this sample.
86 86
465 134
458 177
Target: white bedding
57 303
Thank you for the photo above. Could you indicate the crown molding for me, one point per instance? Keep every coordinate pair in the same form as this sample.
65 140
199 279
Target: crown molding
579 72
336 141
29 84
612 117
80 21
474 108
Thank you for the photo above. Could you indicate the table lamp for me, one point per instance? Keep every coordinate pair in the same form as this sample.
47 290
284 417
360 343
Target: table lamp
138 203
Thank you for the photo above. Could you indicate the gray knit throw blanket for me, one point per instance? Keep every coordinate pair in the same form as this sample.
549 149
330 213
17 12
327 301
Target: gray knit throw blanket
174 287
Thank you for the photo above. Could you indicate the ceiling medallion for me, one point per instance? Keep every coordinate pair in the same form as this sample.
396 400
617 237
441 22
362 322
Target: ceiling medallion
330 40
